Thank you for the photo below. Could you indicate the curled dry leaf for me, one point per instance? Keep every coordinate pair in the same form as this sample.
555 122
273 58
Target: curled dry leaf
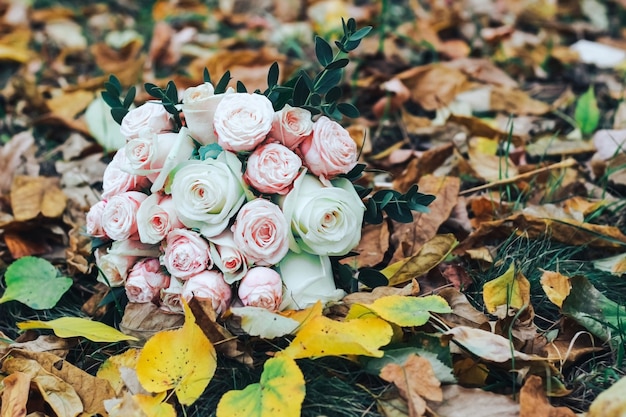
556 286
533 401
16 388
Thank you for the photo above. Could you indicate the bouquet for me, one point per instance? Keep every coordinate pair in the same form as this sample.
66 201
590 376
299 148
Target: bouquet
240 198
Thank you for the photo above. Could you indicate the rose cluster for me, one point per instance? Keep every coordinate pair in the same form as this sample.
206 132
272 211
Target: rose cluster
243 205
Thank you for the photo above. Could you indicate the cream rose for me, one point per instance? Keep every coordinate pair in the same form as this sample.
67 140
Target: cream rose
150 116
207 194
325 220
145 281
209 285
261 287
171 297
116 179
119 217
156 217
242 121
302 290
272 168
168 155
291 125
227 257
186 253
261 231
115 262
199 104
93 220
330 151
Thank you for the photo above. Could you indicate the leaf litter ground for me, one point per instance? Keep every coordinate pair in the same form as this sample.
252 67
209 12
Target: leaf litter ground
520 99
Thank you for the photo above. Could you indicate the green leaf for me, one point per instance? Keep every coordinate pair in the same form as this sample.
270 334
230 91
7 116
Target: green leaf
300 92
348 110
110 99
130 97
153 90
34 282
340 63
115 83
405 311
206 77
272 75
78 327
323 51
279 393
118 115
241 88
372 278
329 79
222 83
333 94
315 99
360 34
171 92
587 113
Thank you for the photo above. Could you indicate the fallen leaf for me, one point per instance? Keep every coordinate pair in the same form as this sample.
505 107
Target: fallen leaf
462 402
70 104
78 327
183 360
610 403
322 336
155 405
11 157
510 289
34 282
484 344
533 401
556 286
431 254
615 265
463 312
110 369
143 320
435 85
259 321
408 238
372 247
416 382
16 388
31 196
279 393
402 310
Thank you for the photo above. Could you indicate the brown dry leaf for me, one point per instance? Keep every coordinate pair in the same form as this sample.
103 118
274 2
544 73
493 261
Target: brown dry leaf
15 395
516 101
423 165
372 247
615 169
91 390
434 86
478 127
46 343
11 157
484 344
491 167
471 373
408 238
397 95
463 402
145 319
572 343
126 63
220 337
69 104
24 244
533 401
363 297
416 382
463 313
33 195
14 45
483 70
556 286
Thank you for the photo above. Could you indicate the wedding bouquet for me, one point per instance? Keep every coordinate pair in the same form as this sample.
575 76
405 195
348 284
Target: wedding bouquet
236 197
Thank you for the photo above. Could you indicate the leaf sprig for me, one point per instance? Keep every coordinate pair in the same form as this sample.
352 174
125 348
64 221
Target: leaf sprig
168 97
112 95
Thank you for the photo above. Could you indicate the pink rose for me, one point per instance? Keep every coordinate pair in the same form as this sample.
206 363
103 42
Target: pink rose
115 263
242 121
272 168
116 179
156 217
186 253
209 285
261 287
150 116
227 257
199 104
119 218
145 281
330 151
261 231
291 125
93 220
171 297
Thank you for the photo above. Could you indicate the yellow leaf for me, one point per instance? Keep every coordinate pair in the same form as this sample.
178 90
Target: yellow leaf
322 336
509 289
610 403
182 359
153 406
404 310
110 368
556 286
430 255
77 327
279 393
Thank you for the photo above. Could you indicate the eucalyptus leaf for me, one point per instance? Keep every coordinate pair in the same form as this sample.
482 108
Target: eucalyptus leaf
323 51
206 76
272 75
340 63
222 84
241 88
348 110
34 282
372 278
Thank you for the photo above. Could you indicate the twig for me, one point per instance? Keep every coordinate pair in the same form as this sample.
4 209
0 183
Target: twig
569 162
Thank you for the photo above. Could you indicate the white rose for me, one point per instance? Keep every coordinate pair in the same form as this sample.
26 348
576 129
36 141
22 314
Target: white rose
150 116
115 263
325 220
227 257
207 194
156 217
169 155
242 121
307 279
199 104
